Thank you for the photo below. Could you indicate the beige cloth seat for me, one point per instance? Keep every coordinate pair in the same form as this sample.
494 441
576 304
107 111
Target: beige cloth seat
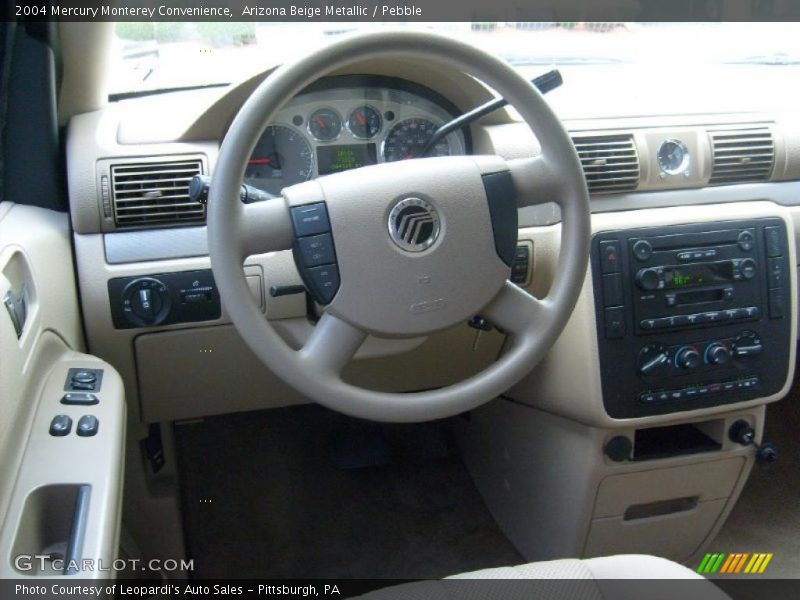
622 577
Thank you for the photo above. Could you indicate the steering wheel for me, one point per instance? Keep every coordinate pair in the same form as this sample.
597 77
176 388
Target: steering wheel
407 248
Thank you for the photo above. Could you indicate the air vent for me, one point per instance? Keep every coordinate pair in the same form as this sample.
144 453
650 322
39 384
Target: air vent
155 193
610 162
742 155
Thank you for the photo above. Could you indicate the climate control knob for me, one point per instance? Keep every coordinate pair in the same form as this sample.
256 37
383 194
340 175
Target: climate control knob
717 354
648 279
653 360
688 358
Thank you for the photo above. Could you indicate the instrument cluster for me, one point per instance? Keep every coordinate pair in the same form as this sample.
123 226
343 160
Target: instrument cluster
350 122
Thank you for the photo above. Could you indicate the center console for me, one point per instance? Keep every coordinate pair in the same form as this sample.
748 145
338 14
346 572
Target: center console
691 316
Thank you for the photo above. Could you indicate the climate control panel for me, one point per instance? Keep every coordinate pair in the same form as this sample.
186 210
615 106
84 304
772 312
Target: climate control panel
691 316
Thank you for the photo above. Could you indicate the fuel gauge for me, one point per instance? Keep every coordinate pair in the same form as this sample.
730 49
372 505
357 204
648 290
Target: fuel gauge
325 124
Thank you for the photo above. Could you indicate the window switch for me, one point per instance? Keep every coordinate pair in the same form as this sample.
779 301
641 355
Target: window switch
87 426
79 398
60 426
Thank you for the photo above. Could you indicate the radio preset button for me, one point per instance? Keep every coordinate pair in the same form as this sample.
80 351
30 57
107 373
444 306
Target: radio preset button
647 324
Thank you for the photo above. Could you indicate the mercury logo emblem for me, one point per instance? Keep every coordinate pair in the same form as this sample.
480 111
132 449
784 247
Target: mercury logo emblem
414 224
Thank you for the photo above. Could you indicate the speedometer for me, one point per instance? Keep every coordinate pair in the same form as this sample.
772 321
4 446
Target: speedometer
409 138
282 157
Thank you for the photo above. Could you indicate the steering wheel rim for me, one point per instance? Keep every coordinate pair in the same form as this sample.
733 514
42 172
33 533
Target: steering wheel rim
236 231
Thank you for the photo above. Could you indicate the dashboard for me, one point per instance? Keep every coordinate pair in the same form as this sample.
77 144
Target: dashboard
349 122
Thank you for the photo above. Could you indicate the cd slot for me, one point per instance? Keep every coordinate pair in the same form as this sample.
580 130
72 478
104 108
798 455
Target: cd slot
695 240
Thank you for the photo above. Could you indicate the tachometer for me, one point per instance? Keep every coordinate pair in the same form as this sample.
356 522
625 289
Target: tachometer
364 122
281 158
409 137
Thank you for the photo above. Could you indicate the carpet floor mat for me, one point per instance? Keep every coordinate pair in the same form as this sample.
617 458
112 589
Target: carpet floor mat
306 492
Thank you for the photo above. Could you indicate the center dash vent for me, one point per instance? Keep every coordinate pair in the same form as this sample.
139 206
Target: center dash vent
742 155
610 162
155 193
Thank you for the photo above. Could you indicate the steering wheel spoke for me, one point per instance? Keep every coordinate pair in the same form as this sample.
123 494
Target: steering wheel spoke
333 344
536 180
515 311
264 227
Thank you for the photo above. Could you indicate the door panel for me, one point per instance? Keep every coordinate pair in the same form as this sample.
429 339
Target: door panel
41 339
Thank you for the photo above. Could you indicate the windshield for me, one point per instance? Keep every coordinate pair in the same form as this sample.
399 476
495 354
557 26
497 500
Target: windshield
637 57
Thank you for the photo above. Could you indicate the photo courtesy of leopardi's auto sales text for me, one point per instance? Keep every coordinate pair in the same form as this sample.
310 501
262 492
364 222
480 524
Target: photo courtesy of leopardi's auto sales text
377 299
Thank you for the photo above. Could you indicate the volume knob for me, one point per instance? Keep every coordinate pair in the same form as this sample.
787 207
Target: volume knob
648 279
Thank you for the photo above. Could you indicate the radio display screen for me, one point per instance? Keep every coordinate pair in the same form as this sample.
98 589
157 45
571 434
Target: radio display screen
343 157
685 276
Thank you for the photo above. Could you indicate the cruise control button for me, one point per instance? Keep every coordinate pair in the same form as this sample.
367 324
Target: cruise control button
310 219
325 281
316 250
87 426
60 425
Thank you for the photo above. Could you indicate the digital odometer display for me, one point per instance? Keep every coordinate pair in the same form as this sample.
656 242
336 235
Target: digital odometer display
333 159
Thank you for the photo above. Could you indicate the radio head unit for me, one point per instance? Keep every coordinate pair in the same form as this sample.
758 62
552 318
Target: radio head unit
678 308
